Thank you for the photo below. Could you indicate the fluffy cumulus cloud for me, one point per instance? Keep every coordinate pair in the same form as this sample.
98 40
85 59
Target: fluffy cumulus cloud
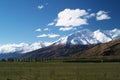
71 17
66 28
22 47
48 35
38 30
40 7
102 15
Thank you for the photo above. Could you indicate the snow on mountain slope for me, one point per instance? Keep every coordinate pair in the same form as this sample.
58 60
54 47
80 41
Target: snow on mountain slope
101 36
115 33
61 41
86 37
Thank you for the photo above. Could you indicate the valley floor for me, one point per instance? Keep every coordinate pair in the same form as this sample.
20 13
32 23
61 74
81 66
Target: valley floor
59 71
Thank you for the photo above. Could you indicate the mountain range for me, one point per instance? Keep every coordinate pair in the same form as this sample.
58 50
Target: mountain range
73 44
86 37
16 50
81 44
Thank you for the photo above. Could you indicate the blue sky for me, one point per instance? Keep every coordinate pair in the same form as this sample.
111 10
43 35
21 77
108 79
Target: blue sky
28 20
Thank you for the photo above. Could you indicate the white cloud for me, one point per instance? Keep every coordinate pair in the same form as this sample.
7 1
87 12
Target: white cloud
76 18
46 29
66 28
48 35
71 17
102 15
40 7
42 35
90 15
38 30
53 35
22 47
51 24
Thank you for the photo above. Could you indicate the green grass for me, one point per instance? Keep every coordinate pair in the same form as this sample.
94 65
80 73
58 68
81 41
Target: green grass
59 71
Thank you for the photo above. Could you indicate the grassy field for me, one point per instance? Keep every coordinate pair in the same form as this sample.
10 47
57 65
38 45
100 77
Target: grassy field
59 71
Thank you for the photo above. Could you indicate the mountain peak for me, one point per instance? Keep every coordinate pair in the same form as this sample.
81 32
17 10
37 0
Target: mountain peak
101 36
86 37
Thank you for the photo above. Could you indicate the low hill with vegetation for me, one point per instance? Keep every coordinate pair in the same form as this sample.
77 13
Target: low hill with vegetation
109 51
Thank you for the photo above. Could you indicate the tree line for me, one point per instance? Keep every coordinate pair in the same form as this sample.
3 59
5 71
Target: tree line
69 60
25 60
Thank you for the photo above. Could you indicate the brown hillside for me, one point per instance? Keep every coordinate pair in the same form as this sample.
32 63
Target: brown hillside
106 50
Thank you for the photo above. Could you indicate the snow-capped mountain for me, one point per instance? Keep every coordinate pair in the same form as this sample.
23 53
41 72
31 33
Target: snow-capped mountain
86 37
79 42
16 50
22 47
82 37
